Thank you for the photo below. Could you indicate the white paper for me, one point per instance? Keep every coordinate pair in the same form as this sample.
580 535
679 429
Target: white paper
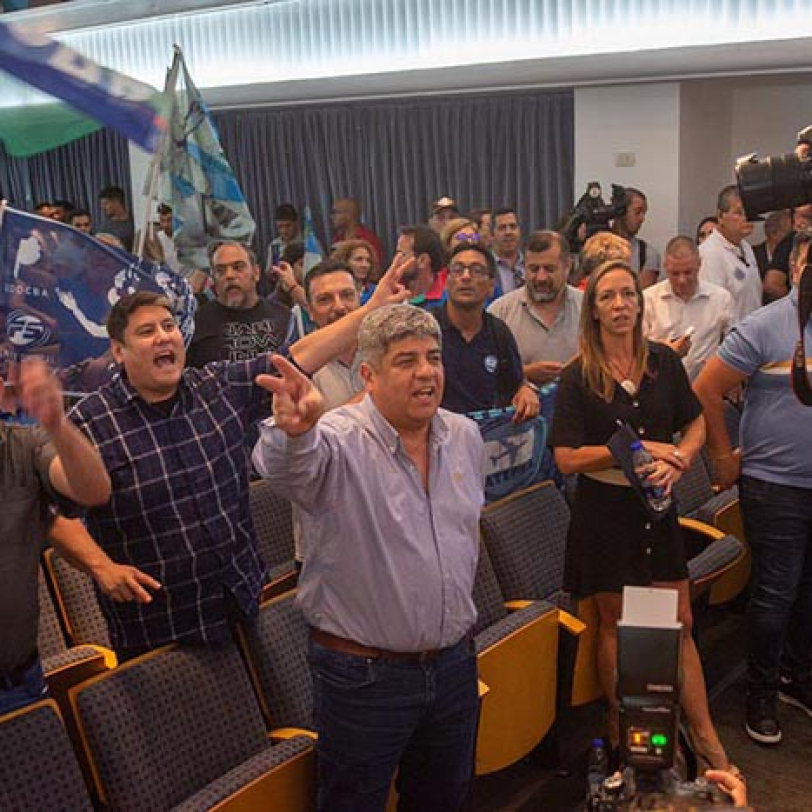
649 607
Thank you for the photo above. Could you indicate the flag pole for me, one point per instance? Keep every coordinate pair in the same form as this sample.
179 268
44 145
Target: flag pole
153 174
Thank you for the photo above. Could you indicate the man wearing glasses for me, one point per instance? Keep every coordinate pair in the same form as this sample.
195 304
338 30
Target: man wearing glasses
482 364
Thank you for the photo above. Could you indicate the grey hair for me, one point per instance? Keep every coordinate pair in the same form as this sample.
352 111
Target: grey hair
383 327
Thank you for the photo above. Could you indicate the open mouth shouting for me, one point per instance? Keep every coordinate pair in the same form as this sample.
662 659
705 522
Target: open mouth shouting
165 359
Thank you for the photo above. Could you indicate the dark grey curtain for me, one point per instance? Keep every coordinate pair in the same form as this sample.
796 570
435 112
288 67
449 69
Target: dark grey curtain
77 172
397 156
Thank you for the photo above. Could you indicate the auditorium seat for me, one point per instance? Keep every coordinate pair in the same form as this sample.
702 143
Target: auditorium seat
38 768
276 652
712 555
698 499
77 604
517 654
64 665
180 728
526 536
272 516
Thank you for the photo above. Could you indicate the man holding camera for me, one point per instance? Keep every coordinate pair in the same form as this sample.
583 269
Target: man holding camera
775 463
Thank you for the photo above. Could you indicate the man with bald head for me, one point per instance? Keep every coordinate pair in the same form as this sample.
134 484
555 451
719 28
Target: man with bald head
346 221
689 314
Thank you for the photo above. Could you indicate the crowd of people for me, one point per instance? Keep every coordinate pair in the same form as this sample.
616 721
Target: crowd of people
347 388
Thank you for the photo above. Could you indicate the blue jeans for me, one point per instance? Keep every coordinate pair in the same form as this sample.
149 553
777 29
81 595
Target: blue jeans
778 525
31 688
375 715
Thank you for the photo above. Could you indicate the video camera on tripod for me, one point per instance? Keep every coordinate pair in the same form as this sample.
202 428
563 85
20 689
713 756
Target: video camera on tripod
648 665
592 212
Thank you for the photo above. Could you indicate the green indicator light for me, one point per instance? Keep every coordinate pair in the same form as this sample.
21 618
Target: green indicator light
659 740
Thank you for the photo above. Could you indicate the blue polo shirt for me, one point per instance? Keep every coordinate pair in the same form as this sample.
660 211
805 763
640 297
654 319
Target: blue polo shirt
776 428
483 373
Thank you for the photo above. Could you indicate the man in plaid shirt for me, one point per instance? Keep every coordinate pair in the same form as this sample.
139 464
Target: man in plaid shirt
172 440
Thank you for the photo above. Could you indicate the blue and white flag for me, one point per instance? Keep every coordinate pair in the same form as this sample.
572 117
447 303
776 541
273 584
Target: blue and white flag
132 108
313 251
197 180
57 286
516 454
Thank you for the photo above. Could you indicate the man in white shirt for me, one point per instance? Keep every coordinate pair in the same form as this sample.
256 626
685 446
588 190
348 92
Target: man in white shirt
689 314
727 258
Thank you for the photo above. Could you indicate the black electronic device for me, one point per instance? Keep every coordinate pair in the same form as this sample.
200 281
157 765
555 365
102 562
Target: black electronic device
648 691
773 183
594 213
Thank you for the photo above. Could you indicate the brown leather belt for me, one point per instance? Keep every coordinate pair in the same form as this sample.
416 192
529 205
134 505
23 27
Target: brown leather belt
340 644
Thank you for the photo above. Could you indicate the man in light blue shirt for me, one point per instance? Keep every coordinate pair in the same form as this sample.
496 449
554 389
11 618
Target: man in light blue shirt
775 463
391 491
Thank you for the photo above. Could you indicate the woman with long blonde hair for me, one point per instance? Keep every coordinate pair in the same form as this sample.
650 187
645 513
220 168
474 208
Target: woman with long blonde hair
612 541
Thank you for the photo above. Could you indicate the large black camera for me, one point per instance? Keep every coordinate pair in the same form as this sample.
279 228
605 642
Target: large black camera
783 182
777 181
594 213
773 183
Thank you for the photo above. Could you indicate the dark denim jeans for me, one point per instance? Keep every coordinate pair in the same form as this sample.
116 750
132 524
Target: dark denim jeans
375 716
778 525
32 688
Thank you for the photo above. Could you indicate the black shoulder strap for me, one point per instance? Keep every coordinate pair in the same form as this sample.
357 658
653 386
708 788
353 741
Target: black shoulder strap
800 377
643 253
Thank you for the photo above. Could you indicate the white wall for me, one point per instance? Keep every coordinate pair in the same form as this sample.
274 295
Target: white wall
686 138
639 119
705 149
768 115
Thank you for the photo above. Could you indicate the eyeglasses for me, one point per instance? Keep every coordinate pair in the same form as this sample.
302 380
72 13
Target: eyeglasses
476 269
474 237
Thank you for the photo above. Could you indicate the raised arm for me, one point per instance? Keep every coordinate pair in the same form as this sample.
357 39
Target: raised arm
77 470
297 404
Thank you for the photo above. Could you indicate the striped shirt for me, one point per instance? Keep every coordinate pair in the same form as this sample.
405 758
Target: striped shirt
179 508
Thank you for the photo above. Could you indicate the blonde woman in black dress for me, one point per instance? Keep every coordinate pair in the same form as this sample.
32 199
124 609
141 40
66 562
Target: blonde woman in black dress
612 541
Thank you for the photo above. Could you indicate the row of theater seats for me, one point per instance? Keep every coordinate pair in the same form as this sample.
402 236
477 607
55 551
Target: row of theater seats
232 728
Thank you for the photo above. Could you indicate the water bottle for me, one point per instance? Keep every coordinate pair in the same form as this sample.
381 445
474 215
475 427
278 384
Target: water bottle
597 768
657 498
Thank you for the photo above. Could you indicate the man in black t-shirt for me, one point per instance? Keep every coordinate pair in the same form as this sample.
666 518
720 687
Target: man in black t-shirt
483 369
238 325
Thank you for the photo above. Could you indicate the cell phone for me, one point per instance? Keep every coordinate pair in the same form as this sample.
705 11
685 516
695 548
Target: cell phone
687 334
